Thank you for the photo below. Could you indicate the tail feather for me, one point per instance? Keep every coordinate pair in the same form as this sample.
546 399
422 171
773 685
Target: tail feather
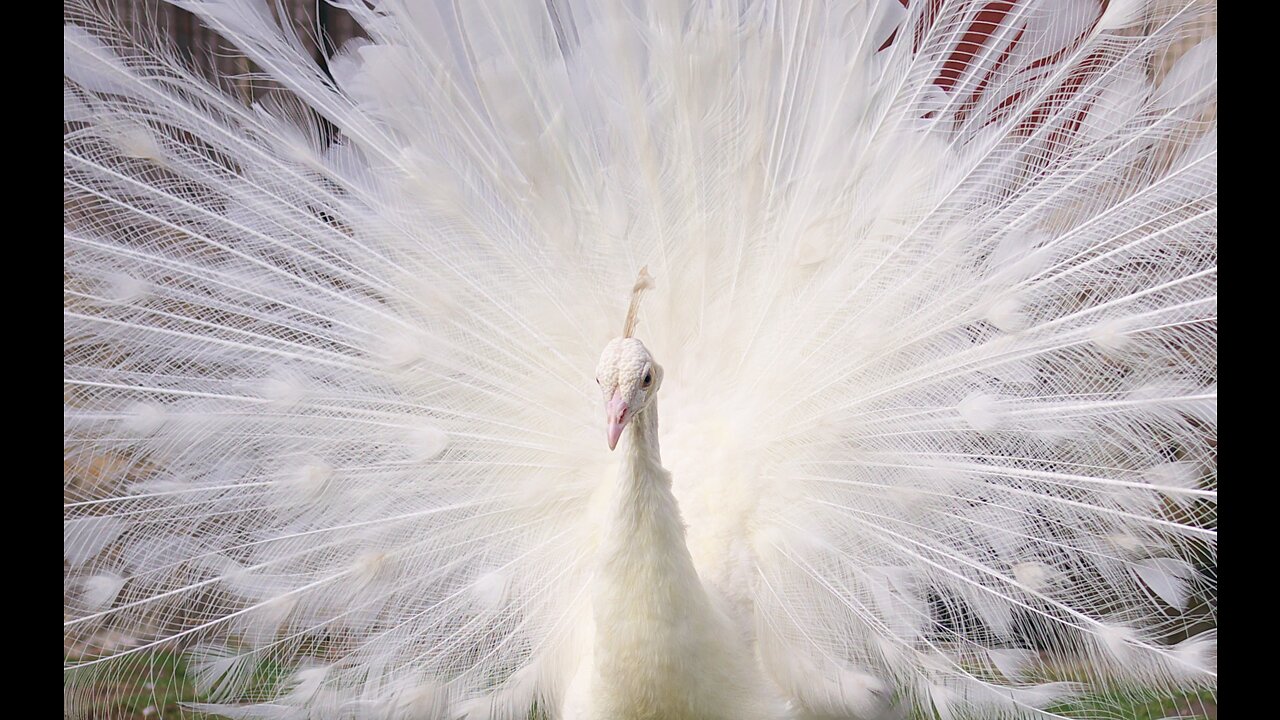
936 298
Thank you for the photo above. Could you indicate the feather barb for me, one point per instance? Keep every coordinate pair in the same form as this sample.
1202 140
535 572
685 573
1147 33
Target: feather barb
644 281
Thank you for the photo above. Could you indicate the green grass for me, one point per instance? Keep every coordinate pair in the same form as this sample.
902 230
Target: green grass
157 685
1142 706
121 692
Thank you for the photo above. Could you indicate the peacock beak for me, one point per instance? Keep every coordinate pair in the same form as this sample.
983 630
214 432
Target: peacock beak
616 413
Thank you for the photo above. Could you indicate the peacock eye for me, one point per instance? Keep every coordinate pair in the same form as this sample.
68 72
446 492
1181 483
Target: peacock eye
648 378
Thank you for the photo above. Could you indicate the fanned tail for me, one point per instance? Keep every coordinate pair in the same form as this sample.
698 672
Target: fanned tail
936 303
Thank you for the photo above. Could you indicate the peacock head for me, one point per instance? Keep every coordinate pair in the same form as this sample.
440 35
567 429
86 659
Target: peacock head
629 380
627 375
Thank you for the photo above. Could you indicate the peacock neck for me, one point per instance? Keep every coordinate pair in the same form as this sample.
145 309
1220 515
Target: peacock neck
645 513
644 457
647 595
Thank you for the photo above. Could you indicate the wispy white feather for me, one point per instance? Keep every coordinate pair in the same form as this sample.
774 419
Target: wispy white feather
936 301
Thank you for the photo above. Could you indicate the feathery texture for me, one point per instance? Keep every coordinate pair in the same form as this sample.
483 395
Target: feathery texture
936 302
643 282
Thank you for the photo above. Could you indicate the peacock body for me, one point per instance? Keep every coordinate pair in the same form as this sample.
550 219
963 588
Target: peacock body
933 320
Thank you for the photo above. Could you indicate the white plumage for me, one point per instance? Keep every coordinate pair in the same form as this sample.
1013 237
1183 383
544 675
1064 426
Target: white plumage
934 329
